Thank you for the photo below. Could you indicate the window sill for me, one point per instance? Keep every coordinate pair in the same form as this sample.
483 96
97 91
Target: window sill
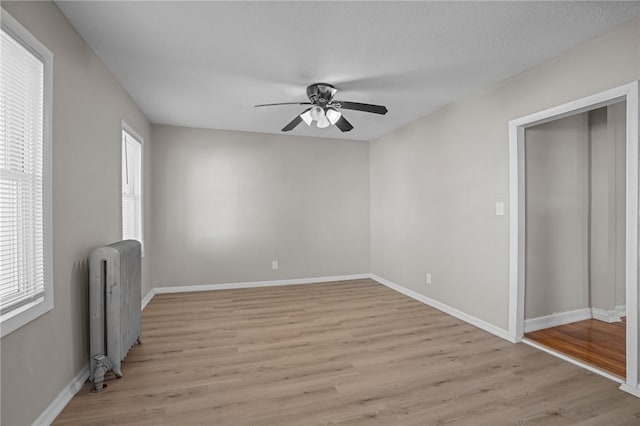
11 321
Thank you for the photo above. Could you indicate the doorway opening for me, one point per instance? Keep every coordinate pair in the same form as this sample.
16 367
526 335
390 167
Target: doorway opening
575 236
574 232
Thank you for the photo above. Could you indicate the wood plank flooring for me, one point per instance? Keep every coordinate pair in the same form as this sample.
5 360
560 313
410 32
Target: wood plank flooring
347 353
594 342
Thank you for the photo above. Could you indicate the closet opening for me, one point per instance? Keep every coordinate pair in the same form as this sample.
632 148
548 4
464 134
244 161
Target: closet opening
574 233
575 236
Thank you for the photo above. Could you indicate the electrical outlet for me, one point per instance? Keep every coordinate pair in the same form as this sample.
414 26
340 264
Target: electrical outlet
428 278
274 264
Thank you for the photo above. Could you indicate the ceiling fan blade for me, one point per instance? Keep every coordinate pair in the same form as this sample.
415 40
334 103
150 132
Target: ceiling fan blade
284 103
297 120
343 124
294 122
357 106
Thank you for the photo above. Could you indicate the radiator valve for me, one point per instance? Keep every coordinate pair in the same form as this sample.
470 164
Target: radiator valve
103 365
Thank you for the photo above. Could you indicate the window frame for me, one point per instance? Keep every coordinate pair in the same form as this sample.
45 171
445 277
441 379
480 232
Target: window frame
126 128
24 314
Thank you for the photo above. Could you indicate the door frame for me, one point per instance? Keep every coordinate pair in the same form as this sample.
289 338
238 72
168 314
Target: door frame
629 93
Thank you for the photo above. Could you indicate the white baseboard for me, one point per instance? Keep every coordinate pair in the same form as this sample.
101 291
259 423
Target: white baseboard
556 319
445 308
630 389
410 293
621 310
530 325
57 405
147 299
605 315
562 318
255 284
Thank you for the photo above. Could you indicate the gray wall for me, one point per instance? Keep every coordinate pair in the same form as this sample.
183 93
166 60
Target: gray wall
575 212
433 187
608 206
617 122
602 213
557 216
225 204
434 182
40 359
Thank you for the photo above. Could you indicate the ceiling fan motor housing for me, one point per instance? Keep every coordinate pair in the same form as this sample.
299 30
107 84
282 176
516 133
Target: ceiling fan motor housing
321 93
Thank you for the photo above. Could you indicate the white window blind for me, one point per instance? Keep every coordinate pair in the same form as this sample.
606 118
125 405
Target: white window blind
22 280
131 188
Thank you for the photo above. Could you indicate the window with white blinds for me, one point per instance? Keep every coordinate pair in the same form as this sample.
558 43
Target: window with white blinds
25 280
132 226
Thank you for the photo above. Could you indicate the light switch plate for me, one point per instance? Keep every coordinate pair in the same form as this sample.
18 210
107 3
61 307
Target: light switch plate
500 208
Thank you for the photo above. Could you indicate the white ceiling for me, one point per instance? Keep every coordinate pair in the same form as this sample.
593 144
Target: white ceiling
205 64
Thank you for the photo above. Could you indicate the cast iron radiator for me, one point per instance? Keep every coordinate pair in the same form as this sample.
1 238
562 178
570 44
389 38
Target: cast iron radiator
114 306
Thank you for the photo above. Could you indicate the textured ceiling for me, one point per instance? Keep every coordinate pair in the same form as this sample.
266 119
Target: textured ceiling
205 64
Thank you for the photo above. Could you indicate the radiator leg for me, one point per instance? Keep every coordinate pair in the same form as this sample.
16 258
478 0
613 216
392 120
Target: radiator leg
117 370
102 367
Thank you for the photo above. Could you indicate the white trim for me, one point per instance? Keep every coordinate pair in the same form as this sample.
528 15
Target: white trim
57 405
605 315
621 310
633 391
125 127
419 297
14 322
255 284
147 299
629 93
555 319
477 322
578 106
562 318
633 114
572 360
516 231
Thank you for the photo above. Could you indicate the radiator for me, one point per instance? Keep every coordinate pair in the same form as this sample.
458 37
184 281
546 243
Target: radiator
114 307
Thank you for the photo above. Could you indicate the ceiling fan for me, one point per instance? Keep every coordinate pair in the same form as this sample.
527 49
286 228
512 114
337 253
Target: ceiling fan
326 111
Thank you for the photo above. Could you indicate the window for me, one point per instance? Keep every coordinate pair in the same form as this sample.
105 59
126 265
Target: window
26 282
132 225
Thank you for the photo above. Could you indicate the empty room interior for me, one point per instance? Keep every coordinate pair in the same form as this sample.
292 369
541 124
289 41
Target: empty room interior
314 213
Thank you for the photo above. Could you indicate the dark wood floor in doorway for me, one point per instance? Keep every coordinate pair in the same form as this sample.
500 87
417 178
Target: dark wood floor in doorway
347 353
594 342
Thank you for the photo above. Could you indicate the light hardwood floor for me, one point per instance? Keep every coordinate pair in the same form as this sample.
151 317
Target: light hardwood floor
349 353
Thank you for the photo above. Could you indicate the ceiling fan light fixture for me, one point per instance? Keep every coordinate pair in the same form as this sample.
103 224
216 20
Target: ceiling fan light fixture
306 117
333 115
326 111
317 113
324 123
